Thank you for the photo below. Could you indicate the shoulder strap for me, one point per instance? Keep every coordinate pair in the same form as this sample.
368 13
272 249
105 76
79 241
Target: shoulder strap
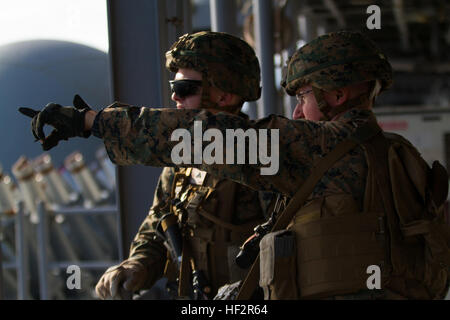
362 134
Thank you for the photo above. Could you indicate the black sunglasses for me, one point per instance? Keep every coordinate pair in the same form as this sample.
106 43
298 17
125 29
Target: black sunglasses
184 88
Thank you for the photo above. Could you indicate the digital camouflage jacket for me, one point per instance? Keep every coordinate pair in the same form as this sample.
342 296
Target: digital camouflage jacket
140 135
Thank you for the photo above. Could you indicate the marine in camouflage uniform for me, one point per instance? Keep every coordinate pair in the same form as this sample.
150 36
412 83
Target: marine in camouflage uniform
336 78
330 62
221 213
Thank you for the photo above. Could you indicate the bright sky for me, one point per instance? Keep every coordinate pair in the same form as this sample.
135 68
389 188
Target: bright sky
80 21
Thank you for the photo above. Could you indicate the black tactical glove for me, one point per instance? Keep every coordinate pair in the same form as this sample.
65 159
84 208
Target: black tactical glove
67 121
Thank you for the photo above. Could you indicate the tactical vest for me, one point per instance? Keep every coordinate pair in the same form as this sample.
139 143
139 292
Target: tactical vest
331 247
337 245
212 239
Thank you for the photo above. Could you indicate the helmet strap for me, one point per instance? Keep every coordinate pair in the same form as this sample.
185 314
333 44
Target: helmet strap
375 90
321 103
206 102
329 112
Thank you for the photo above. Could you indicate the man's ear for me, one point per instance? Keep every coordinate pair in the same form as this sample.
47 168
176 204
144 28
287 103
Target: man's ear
225 99
340 96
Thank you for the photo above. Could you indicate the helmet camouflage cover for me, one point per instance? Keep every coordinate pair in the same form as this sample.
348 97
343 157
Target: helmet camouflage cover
228 62
336 60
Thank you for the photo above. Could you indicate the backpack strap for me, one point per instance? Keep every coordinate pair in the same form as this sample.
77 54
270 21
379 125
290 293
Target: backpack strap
362 134
377 157
405 222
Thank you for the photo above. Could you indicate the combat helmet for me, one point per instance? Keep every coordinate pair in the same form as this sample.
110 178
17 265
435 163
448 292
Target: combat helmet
336 60
225 61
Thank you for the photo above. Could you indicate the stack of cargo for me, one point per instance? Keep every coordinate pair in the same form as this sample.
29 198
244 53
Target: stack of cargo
69 217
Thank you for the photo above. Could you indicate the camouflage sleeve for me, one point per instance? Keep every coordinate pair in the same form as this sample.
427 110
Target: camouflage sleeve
139 135
146 246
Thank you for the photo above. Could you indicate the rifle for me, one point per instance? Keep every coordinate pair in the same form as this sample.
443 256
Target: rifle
169 230
250 249
200 285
